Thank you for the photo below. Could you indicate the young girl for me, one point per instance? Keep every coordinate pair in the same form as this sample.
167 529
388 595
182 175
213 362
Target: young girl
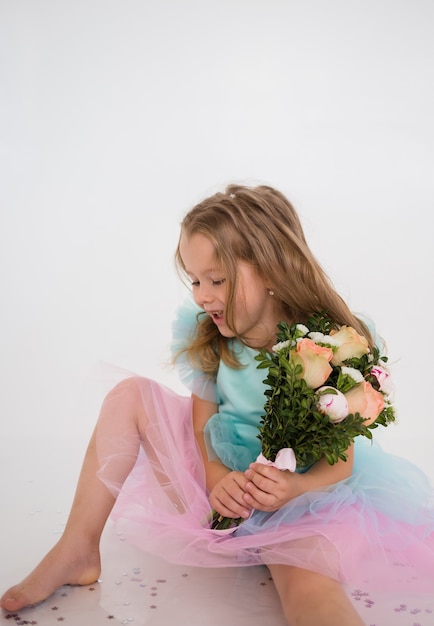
168 459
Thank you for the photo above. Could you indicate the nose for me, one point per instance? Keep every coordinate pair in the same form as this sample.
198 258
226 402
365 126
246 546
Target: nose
202 295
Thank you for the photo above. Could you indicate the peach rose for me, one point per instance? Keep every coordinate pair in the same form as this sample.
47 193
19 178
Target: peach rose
364 399
349 344
314 360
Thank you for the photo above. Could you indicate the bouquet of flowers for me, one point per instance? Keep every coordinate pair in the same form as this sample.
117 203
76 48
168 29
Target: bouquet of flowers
325 387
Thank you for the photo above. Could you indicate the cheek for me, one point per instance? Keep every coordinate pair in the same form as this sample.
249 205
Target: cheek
251 304
195 295
195 299
251 297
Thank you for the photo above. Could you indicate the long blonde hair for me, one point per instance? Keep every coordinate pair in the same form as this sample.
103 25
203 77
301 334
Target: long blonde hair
258 225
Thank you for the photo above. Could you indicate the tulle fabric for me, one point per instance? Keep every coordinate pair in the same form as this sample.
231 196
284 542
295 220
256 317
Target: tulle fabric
376 527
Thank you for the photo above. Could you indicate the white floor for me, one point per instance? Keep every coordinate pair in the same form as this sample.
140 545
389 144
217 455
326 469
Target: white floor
38 479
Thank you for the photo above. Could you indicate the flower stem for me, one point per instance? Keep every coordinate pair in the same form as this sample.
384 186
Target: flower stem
220 522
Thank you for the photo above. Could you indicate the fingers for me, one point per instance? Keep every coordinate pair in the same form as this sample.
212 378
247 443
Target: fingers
227 497
259 499
266 487
265 477
260 487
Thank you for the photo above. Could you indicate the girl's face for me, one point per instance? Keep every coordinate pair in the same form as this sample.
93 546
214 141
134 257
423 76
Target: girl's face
255 314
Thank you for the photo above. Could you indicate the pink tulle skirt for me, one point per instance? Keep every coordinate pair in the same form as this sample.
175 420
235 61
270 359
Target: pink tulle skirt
377 527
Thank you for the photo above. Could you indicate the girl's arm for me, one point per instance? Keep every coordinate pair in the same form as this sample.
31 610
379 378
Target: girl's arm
227 488
202 411
269 488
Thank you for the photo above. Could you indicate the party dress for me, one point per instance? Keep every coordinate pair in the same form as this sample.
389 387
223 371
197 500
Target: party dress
376 526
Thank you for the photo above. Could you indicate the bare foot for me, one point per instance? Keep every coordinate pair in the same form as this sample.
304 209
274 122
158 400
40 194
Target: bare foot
63 565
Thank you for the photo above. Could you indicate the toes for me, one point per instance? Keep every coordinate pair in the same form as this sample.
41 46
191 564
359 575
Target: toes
14 601
10 604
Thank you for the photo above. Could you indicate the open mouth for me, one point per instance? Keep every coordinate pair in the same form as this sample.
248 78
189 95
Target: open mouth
216 315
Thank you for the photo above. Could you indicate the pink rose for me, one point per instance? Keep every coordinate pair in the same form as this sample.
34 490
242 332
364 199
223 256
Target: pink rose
314 360
349 344
364 399
383 378
333 404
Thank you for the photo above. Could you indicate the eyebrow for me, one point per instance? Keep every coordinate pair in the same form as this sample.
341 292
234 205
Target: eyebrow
207 271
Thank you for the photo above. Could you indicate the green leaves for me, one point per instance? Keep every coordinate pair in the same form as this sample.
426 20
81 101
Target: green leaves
292 419
291 416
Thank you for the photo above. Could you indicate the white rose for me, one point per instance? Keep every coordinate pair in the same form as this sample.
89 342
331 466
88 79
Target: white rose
318 337
302 329
281 345
356 375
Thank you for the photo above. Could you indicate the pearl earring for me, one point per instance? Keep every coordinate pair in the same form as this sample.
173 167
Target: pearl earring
271 292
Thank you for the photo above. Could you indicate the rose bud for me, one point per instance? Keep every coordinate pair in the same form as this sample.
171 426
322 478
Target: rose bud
332 403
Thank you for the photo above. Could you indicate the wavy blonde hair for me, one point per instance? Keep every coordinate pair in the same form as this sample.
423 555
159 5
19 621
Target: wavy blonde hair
258 225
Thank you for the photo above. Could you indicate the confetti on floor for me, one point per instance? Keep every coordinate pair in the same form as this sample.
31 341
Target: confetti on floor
139 589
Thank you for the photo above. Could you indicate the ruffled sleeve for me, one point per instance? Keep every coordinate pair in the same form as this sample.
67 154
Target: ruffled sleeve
183 328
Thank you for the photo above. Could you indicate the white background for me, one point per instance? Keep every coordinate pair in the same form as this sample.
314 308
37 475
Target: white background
117 116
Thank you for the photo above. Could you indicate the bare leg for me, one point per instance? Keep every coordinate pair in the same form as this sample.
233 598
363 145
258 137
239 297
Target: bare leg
75 559
311 599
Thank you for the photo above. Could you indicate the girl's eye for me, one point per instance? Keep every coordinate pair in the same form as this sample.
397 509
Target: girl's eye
215 283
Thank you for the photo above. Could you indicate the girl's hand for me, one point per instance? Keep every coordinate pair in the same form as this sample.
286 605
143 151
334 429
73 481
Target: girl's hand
269 488
227 496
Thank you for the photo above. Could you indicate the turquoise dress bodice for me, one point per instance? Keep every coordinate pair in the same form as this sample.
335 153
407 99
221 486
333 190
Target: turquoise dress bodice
231 434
